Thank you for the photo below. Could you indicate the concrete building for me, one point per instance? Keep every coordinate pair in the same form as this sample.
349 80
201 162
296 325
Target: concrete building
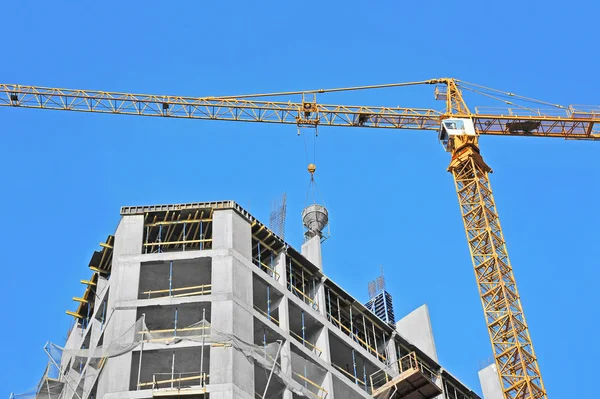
203 300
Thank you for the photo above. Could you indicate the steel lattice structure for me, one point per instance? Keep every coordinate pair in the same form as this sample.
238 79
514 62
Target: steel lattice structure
513 350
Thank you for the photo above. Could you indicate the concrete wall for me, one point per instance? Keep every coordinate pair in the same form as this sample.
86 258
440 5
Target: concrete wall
232 281
124 286
416 327
490 382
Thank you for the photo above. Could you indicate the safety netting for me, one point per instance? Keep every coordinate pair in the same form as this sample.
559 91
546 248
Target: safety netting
72 373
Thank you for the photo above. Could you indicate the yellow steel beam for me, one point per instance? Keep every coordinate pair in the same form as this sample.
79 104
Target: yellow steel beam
87 282
188 221
82 300
74 314
151 244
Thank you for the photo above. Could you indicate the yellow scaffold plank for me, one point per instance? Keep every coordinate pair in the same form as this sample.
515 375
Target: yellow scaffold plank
74 314
98 270
105 245
87 282
82 300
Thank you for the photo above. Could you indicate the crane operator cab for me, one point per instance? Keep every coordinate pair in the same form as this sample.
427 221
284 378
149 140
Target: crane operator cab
454 127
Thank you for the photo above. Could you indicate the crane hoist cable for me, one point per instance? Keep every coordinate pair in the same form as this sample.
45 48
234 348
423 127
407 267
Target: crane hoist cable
312 184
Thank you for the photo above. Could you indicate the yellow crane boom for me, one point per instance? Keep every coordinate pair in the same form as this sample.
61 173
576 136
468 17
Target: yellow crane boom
567 123
459 129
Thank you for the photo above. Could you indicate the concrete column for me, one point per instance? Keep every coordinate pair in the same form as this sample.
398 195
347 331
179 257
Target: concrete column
100 290
231 231
311 250
284 321
323 344
416 327
281 269
124 281
233 281
490 382
286 366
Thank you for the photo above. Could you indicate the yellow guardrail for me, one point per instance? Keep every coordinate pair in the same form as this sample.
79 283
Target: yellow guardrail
360 340
154 383
406 363
304 296
204 289
275 274
305 341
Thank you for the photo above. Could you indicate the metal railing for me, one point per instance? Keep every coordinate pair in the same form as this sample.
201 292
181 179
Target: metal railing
406 363
266 268
307 343
305 298
176 380
204 289
337 323
522 111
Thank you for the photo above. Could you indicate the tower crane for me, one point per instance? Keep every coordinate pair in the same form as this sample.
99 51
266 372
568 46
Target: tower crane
458 129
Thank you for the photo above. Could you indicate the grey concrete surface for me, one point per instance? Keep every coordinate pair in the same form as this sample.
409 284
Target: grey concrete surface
416 327
490 382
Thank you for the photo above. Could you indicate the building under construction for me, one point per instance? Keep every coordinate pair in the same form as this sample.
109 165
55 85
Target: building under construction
203 300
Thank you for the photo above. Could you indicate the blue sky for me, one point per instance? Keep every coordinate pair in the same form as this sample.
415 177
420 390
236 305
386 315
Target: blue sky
392 203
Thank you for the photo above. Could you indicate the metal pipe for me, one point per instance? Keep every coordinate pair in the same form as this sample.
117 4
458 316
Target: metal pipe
290 274
339 312
258 257
354 367
202 348
59 370
272 368
269 302
303 285
365 330
141 351
329 301
351 324
303 327
170 278
159 237
184 236
175 326
172 369
200 236
375 340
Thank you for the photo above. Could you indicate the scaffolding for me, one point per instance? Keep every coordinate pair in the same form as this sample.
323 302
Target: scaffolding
410 377
266 248
178 230
354 323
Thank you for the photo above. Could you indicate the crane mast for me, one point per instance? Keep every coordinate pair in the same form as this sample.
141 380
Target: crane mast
515 358
459 131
